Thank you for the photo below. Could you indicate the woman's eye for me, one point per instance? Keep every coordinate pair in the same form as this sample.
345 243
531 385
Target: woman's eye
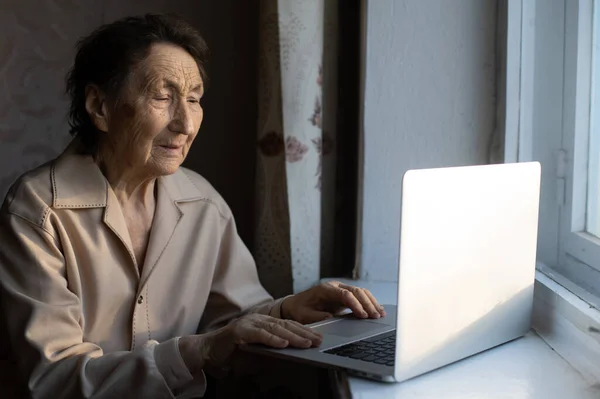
161 97
193 100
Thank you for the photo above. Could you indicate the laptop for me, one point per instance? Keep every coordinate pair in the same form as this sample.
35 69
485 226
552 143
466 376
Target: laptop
465 277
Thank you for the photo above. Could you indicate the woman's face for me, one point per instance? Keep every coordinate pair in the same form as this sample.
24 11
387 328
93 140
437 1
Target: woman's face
153 124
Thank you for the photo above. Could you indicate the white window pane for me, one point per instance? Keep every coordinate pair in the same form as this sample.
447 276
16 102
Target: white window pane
593 200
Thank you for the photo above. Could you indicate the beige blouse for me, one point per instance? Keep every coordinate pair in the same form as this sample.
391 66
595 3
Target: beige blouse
78 319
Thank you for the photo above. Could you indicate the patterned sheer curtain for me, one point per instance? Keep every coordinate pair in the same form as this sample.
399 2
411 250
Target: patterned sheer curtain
296 143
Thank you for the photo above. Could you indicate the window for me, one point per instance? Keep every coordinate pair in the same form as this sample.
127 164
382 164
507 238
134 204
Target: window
592 225
579 251
559 125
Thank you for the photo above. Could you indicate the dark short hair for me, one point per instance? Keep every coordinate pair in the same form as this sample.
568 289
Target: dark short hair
108 55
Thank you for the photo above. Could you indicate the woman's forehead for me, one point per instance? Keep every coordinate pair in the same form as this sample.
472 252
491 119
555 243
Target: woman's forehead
169 65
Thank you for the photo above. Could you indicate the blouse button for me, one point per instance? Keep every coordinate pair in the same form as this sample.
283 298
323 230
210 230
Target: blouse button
140 299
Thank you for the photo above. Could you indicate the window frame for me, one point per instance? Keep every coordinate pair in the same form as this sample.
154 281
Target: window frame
574 241
568 255
540 36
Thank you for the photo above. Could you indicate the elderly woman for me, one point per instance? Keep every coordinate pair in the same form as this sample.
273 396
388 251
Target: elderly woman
121 272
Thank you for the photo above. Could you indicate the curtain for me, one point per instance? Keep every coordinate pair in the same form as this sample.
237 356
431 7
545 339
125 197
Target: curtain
295 174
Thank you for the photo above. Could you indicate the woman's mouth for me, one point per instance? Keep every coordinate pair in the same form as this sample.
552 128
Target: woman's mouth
171 149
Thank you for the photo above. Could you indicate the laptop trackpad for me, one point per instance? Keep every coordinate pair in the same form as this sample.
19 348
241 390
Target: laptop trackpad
348 328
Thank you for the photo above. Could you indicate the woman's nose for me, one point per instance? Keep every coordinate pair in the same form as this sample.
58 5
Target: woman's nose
183 122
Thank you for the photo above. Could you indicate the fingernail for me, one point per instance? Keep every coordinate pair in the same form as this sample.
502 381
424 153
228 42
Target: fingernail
364 314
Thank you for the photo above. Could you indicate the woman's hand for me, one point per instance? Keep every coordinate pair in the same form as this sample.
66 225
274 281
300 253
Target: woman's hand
214 350
325 300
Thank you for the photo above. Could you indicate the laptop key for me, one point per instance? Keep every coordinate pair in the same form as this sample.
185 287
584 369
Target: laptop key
359 356
379 349
379 338
342 353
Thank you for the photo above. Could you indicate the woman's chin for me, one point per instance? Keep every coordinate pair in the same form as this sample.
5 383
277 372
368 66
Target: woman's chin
166 168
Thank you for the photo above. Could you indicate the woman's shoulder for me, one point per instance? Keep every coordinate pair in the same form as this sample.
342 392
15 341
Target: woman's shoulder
30 196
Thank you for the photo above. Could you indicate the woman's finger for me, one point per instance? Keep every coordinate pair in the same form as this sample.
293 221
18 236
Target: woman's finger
280 331
304 332
347 298
374 301
365 301
262 336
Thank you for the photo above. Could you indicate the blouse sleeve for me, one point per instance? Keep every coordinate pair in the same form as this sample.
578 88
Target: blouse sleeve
235 289
41 317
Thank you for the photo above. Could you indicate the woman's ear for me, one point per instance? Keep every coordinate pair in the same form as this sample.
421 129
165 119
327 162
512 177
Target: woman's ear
96 106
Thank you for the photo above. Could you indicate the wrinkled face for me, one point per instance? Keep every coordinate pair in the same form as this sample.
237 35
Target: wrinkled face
151 127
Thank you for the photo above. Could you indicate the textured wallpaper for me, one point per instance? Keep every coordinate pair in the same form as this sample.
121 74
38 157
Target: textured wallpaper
36 44
37 41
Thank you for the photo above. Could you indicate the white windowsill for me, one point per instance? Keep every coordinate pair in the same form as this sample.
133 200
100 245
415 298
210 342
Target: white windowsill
561 356
569 324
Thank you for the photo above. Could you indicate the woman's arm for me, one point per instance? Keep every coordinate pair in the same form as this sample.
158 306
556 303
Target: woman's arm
42 318
235 289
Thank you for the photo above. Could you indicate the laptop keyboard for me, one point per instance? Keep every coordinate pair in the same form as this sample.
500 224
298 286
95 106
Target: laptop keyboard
380 349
